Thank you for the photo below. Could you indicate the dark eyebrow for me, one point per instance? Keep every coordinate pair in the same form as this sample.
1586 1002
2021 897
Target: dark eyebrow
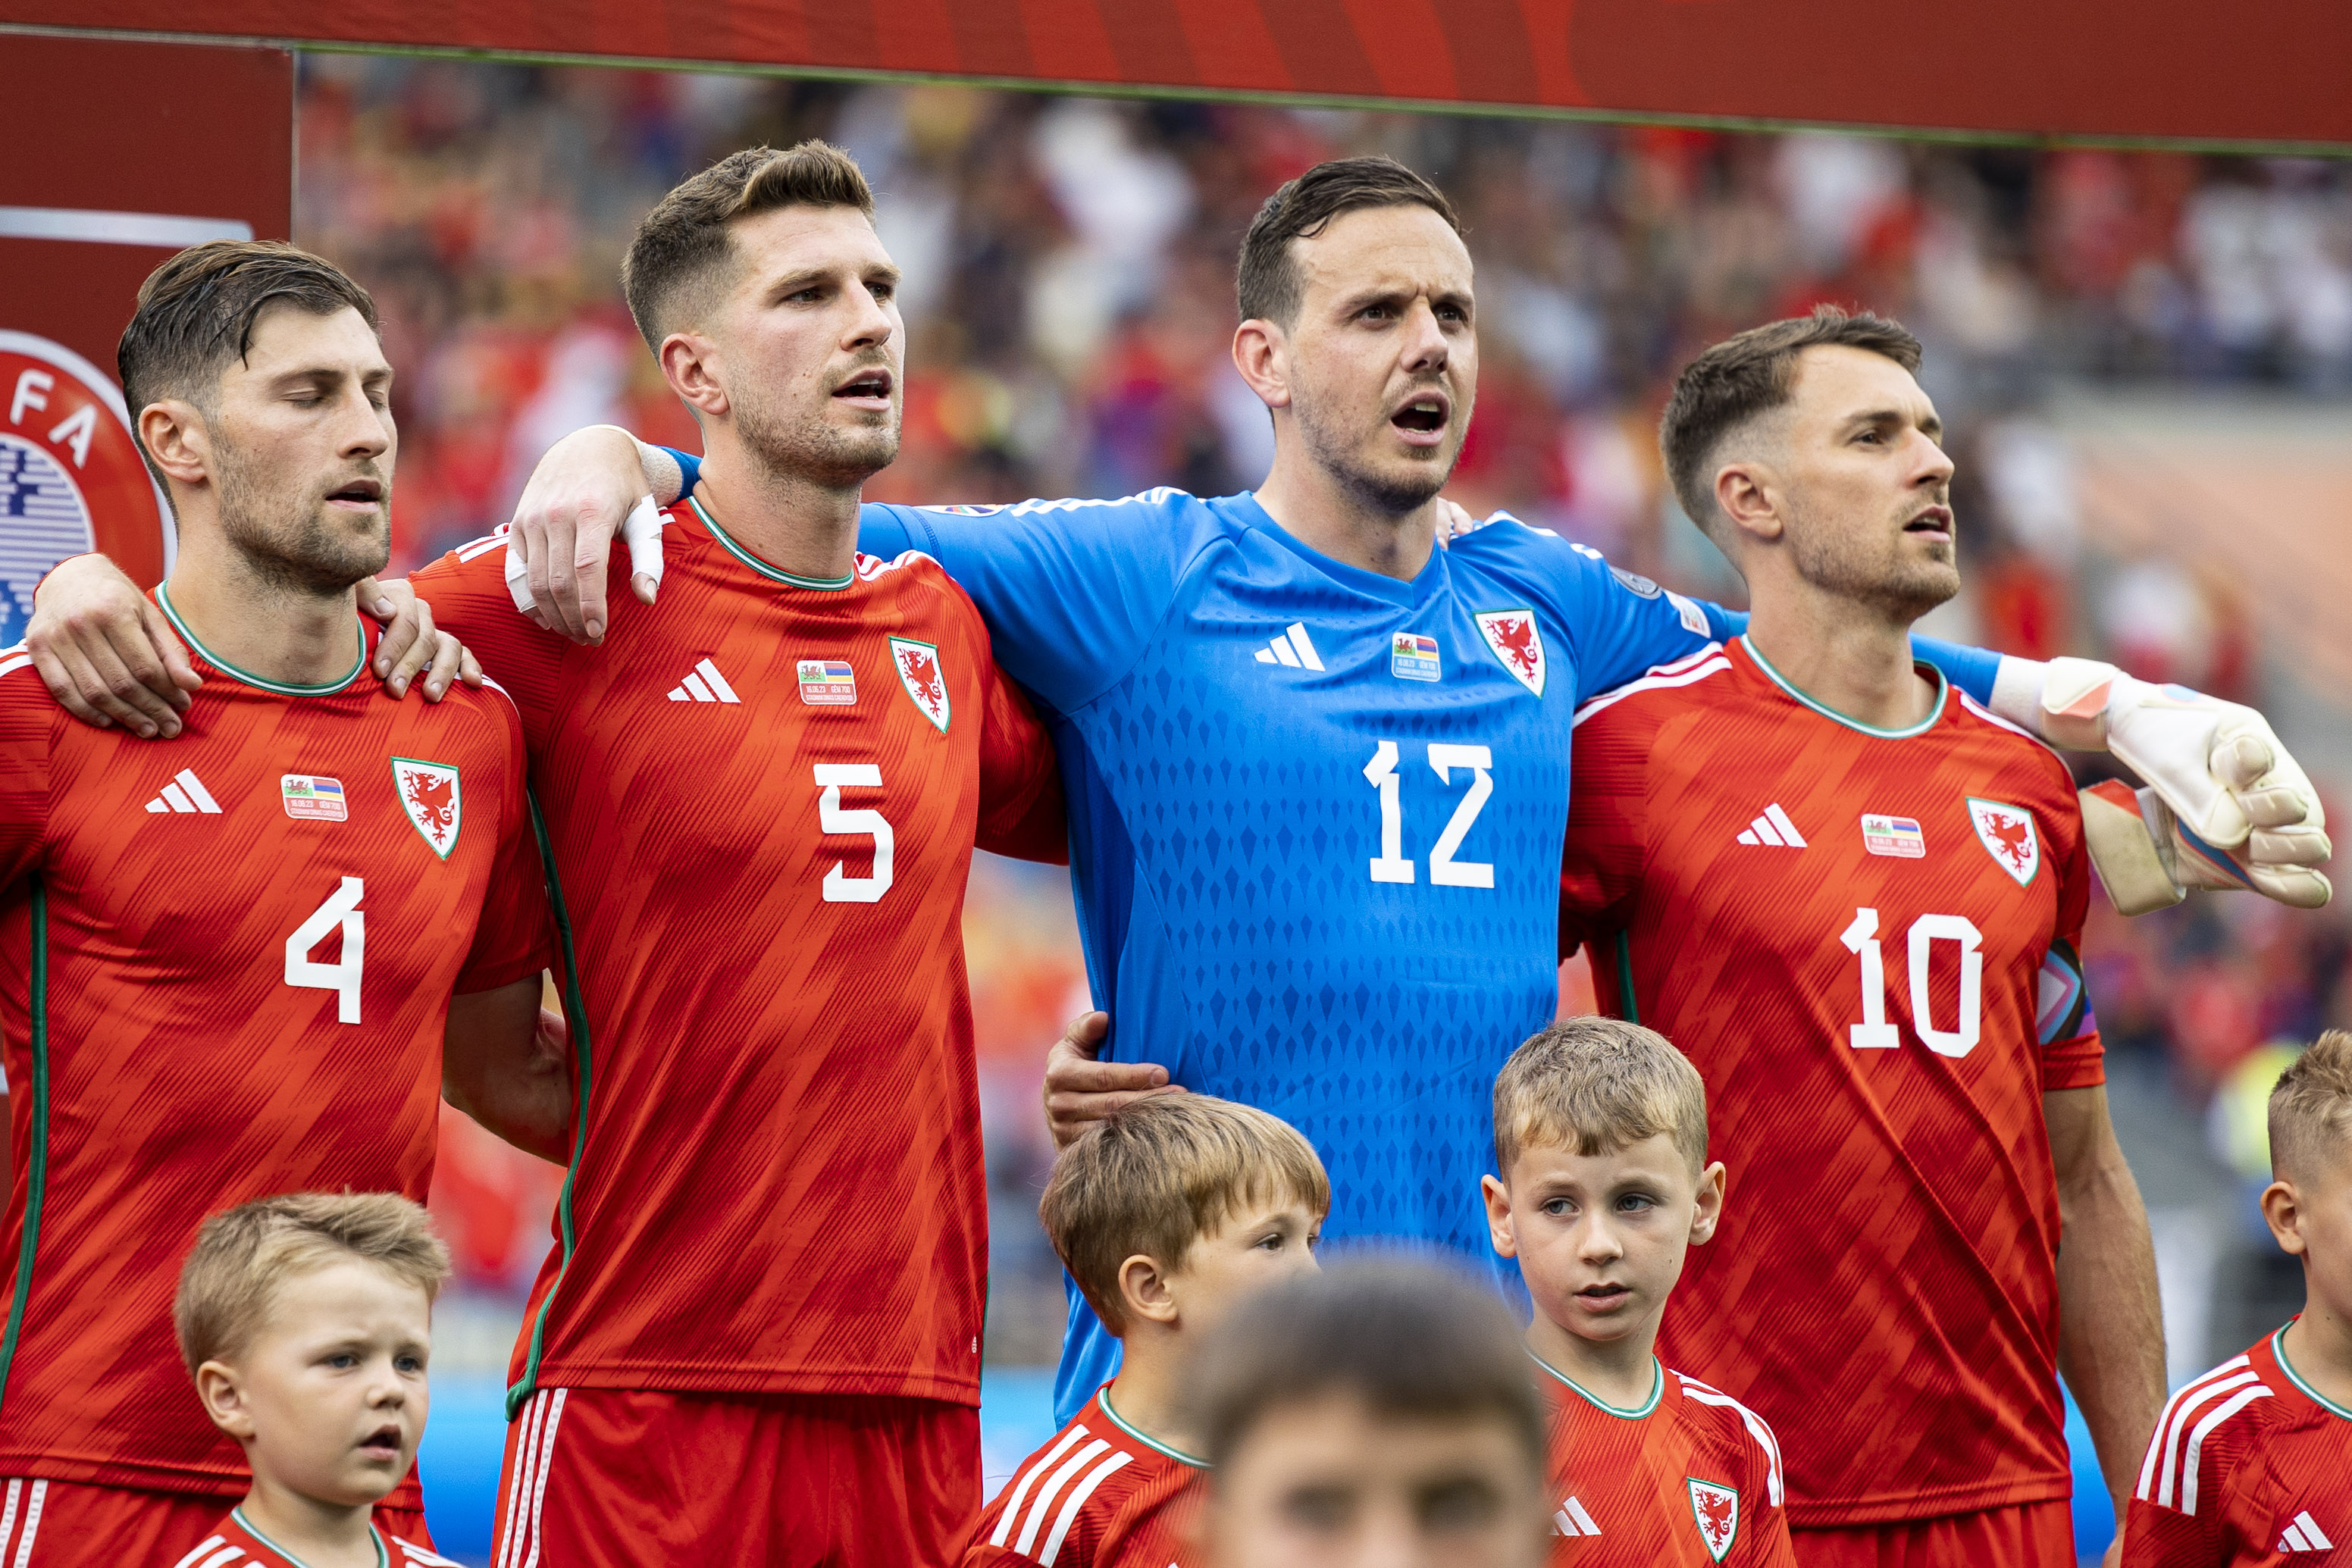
794 282
1931 427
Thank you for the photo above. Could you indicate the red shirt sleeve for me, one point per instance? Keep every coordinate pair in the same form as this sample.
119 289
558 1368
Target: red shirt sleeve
468 591
514 937
2072 1054
1608 828
28 719
1021 812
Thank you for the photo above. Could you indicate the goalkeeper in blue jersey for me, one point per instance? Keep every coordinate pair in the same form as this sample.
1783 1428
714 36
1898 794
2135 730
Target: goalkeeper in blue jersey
1318 767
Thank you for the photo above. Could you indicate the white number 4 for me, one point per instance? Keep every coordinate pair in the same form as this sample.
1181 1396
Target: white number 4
1874 1032
1445 871
343 977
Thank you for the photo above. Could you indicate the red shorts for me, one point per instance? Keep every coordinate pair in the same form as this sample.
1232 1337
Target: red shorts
70 1524
2026 1535
620 1476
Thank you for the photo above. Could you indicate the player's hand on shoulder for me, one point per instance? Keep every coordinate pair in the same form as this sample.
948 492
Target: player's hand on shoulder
105 651
1454 520
411 642
1080 1089
576 500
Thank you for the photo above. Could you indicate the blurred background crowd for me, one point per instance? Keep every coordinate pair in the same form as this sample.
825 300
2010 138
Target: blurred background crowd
2144 358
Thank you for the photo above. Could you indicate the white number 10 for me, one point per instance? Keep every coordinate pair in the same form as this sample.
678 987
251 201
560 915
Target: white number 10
1874 1032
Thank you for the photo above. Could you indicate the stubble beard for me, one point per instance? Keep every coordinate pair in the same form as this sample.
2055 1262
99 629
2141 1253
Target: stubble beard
1392 494
803 451
294 547
1901 591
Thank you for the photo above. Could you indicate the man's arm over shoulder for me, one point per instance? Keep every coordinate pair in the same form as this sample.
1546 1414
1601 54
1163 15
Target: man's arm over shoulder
1071 589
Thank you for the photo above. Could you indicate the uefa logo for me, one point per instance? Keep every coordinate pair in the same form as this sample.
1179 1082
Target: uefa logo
70 477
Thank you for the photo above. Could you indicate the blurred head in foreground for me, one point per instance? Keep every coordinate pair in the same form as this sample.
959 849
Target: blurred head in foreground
1380 1412
305 1320
2309 1202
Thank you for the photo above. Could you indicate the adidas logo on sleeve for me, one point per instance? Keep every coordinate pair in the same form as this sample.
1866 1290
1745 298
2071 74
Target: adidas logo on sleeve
706 685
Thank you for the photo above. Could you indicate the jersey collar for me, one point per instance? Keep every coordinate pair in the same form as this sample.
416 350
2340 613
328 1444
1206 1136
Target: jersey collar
2278 1353
1154 1444
1657 1389
774 574
382 1558
1425 584
283 688
1935 711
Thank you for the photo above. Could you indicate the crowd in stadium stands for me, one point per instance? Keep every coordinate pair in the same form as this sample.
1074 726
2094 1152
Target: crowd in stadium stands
1069 306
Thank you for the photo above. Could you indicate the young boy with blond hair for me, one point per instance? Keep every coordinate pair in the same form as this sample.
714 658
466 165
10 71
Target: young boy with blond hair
2248 1463
305 1320
1600 1139
1166 1214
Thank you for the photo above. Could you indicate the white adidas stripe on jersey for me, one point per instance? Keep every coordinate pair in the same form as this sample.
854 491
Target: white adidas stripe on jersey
1035 1520
13 658
529 1492
1757 1429
706 685
1773 828
1029 1479
1292 648
1077 1500
30 1501
185 793
1696 665
2207 1403
488 542
2304 1534
416 1553
1570 1519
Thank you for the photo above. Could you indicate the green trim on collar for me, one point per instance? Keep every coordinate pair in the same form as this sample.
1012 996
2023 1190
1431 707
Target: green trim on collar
821 584
1657 1389
1146 1439
1943 692
2278 1351
382 1557
284 689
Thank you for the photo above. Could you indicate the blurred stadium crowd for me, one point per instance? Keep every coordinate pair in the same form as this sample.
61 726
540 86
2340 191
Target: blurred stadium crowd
1069 304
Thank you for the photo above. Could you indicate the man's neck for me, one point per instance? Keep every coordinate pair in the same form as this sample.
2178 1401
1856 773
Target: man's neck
2319 1347
795 524
322 1534
1851 659
1149 1391
1319 511
1621 1373
264 627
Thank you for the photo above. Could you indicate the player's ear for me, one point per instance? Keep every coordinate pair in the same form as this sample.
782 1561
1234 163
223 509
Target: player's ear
2283 1211
1744 493
1143 1289
1500 1231
175 436
1707 1213
1262 355
222 1393
686 364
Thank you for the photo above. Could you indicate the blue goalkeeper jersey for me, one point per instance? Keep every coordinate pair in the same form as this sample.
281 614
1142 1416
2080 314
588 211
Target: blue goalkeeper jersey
1315 813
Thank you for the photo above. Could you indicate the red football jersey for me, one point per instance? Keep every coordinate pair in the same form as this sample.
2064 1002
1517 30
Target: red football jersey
1865 941
2247 1467
1691 1477
761 796
1100 1495
234 1542
225 965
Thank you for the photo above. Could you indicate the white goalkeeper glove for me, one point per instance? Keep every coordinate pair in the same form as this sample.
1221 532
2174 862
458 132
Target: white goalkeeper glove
2238 809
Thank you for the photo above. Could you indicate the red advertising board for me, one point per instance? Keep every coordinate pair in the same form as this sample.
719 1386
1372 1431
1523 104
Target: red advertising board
119 153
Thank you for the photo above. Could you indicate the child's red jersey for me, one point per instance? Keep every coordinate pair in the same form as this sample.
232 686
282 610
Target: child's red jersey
1100 1495
1865 940
225 965
1691 1477
234 1542
761 796
2247 1467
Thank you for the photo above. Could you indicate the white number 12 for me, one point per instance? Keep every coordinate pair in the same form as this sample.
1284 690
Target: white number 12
1445 871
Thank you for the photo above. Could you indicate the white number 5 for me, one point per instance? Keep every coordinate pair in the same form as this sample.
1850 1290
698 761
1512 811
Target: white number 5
831 777
343 977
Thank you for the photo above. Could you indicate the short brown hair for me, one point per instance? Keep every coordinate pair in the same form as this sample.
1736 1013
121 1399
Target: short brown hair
683 248
1155 1176
196 312
1266 283
2311 1109
1411 1340
1749 375
244 1256
1596 1085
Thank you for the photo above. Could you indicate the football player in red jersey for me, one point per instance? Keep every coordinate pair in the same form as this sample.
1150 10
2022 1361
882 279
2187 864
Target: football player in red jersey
1852 897
307 1320
1376 1417
1601 1137
2247 1465
1166 1214
228 967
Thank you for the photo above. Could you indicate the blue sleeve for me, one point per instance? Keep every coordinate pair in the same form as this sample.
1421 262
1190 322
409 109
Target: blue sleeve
1622 625
1071 589
690 466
